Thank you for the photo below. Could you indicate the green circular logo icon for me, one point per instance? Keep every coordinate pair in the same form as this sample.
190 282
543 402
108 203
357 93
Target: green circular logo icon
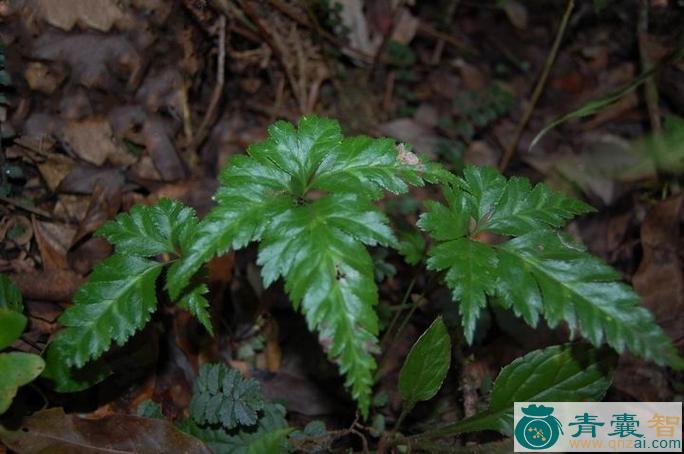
538 429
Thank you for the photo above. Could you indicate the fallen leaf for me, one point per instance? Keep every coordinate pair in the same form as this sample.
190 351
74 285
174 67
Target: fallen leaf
517 13
65 14
48 285
104 205
660 279
54 169
53 242
159 143
95 60
56 432
83 178
92 140
41 77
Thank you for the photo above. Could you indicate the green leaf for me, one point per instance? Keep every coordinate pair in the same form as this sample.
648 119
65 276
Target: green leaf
12 324
471 276
221 442
194 302
270 442
16 369
150 409
366 164
583 291
426 365
147 231
116 302
319 249
411 246
222 396
306 193
562 373
538 272
10 296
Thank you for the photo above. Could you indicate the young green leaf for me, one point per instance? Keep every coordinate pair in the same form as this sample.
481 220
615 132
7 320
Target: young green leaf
147 231
426 365
194 302
10 296
306 193
222 396
116 302
539 271
562 373
17 369
12 324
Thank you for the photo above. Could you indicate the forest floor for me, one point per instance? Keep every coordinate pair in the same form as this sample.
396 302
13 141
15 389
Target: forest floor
113 103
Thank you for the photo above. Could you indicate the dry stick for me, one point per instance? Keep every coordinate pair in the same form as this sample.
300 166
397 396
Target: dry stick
23 206
385 38
218 88
252 14
439 48
650 88
539 88
289 12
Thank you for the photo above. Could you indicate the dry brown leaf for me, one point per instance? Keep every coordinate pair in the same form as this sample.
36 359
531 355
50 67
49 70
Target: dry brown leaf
660 279
95 60
65 14
53 243
517 13
54 431
41 77
54 169
93 141
48 285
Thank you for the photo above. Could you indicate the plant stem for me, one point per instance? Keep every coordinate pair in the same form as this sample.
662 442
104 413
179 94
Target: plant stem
398 313
539 88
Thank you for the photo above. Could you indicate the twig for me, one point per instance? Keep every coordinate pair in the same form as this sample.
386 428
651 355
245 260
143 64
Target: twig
21 205
289 12
539 88
386 37
439 48
650 89
218 88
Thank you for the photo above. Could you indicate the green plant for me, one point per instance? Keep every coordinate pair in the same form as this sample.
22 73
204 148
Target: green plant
229 414
17 368
539 270
306 195
570 372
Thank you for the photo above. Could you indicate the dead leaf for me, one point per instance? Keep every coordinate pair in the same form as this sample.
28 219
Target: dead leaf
65 14
159 143
660 279
422 138
53 242
48 285
56 432
517 13
54 169
359 36
41 77
406 27
16 230
104 205
89 253
92 140
95 60
83 179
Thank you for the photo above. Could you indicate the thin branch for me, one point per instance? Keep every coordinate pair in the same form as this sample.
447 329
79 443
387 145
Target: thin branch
539 88
218 88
